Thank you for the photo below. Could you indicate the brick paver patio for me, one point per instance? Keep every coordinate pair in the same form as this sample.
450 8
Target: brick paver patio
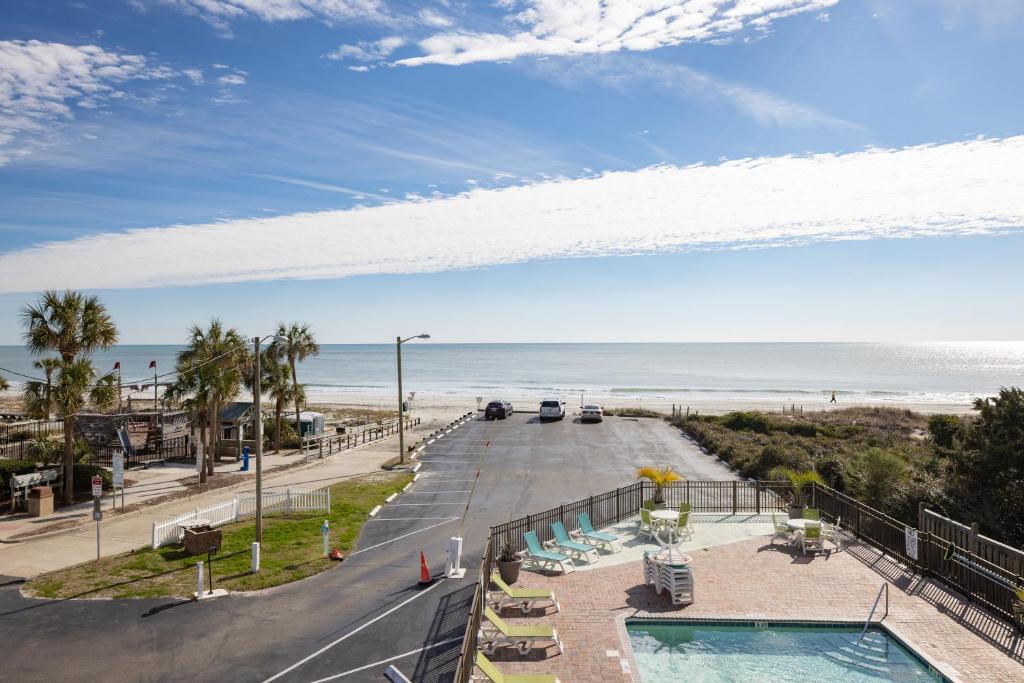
750 579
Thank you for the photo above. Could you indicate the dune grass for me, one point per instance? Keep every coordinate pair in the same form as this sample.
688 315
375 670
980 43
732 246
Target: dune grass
292 549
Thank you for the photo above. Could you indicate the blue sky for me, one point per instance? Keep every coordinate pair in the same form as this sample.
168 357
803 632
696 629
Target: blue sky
519 170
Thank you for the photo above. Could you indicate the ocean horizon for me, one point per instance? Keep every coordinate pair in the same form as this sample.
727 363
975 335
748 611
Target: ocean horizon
769 372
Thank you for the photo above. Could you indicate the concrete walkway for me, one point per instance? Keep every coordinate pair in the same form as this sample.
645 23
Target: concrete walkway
133 529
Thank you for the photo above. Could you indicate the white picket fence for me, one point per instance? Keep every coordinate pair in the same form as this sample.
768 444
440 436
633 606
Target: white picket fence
240 507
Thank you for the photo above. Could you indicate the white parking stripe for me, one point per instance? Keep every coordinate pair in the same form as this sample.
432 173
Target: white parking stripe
363 550
389 659
354 631
406 519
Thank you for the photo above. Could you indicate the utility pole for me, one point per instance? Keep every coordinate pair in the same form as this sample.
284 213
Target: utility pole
257 416
401 426
152 364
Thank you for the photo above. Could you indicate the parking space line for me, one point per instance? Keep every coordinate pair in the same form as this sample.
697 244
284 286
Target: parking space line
406 519
392 540
354 631
389 659
400 505
444 491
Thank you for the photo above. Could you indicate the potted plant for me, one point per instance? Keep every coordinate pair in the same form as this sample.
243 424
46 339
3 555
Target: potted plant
796 498
660 477
509 562
1018 607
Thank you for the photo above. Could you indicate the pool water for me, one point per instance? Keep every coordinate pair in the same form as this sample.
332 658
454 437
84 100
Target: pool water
717 653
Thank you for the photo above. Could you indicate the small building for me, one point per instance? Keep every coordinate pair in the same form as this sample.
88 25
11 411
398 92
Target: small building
312 423
237 429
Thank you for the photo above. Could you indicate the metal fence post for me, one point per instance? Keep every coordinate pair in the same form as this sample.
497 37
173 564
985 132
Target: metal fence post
757 496
734 497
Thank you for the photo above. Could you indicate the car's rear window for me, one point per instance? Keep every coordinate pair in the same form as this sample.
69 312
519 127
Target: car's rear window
495 404
549 404
591 407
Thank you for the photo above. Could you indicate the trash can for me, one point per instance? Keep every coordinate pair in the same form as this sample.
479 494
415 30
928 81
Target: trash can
40 501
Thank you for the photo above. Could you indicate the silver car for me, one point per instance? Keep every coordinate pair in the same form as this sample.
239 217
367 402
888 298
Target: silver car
591 413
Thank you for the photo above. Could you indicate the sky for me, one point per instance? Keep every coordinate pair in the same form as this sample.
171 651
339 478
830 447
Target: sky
519 170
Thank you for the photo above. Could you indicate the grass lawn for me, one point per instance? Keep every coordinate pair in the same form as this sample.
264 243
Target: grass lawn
292 549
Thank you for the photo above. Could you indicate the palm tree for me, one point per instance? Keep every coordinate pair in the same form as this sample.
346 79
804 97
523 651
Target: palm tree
74 326
211 370
38 403
297 344
276 381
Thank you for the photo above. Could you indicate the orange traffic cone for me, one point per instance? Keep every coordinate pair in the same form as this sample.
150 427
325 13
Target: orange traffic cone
425 577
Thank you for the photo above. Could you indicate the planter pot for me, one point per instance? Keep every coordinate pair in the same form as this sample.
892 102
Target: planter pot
509 571
795 512
660 506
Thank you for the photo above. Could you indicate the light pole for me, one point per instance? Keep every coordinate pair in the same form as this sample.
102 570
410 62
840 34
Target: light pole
258 417
401 426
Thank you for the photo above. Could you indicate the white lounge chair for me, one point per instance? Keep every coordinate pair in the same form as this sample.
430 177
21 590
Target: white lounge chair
832 532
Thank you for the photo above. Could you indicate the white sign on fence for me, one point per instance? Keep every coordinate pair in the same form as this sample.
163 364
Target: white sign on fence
118 466
911 537
97 487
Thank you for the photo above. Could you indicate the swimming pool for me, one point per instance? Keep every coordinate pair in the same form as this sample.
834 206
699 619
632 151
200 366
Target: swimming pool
711 651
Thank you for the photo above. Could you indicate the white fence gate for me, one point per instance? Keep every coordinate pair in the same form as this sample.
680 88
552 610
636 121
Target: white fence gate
239 507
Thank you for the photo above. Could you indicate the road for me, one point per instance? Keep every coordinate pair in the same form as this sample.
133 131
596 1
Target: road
370 608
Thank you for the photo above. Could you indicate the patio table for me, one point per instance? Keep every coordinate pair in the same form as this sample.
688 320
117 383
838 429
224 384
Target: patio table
664 520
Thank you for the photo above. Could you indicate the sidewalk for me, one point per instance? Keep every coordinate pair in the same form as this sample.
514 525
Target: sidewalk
121 533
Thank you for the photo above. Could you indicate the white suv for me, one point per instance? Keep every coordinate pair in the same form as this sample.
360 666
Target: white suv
552 409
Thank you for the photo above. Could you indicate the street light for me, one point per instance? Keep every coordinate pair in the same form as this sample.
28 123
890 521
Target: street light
401 427
256 400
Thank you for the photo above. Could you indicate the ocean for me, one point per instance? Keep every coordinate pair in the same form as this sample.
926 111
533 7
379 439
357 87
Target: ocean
770 373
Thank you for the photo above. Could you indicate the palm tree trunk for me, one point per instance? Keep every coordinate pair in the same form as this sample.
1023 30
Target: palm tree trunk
295 383
277 432
69 460
214 435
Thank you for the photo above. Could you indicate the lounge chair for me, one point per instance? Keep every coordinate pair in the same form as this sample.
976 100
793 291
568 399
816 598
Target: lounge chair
496 632
564 542
646 527
811 513
523 598
545 559
812 538
782 530
830 532
599 538
493 674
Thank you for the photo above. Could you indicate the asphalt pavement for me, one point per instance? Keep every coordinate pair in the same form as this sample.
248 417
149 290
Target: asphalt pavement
347 624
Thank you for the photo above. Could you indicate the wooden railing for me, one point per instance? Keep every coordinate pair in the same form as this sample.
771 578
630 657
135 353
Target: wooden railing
328 444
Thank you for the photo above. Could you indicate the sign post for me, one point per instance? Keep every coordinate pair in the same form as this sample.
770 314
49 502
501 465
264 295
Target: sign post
118 466
97 514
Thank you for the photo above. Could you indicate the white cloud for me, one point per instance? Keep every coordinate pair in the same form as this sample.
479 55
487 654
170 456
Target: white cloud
973 187
195 75
435 19
575 27
220 13
41 85
232 79
621 71
367 51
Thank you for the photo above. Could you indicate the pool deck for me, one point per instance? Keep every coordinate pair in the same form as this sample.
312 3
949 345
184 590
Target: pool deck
739 574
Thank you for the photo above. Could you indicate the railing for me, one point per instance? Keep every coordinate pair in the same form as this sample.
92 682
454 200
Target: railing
328 444
467 655
948 560
239 507
867 622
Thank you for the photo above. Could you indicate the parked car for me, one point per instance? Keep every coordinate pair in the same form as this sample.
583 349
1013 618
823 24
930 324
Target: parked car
552 409
591 413
497 410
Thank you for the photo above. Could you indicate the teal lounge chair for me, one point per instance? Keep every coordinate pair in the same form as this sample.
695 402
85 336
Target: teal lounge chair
564 542
600 538
545 559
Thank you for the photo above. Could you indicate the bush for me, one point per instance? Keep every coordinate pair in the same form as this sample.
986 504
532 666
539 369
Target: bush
85 473
12 467
747 422
832 471
879 474
944 429
45 450
289 439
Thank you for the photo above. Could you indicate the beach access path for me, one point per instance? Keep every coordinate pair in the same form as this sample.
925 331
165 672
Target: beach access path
119 533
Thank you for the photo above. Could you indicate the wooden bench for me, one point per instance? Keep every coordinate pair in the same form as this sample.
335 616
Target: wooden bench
21 484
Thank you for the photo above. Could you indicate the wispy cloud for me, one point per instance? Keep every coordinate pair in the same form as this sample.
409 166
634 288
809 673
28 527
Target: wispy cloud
43 84
623 72
971 187
576 27
326 187
367 51
221 13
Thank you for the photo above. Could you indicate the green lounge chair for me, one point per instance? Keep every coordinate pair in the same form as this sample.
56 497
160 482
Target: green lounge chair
811 513
812 538
580 550
546 559
494 674
496 632
523 598
600 538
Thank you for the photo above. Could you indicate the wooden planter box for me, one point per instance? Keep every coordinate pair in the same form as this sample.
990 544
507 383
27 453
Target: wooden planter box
202 539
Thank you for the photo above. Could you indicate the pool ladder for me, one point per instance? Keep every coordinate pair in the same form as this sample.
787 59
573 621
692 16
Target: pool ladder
883 589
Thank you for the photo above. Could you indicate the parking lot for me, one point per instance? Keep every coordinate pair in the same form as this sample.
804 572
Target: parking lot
348 623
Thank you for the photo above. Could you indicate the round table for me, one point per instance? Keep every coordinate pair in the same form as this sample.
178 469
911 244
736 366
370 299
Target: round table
801 524
664 515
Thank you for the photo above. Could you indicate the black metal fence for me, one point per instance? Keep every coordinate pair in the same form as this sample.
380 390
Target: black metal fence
467 655
168 449
16 439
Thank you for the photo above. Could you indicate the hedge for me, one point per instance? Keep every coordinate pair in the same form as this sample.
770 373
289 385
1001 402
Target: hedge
85 473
